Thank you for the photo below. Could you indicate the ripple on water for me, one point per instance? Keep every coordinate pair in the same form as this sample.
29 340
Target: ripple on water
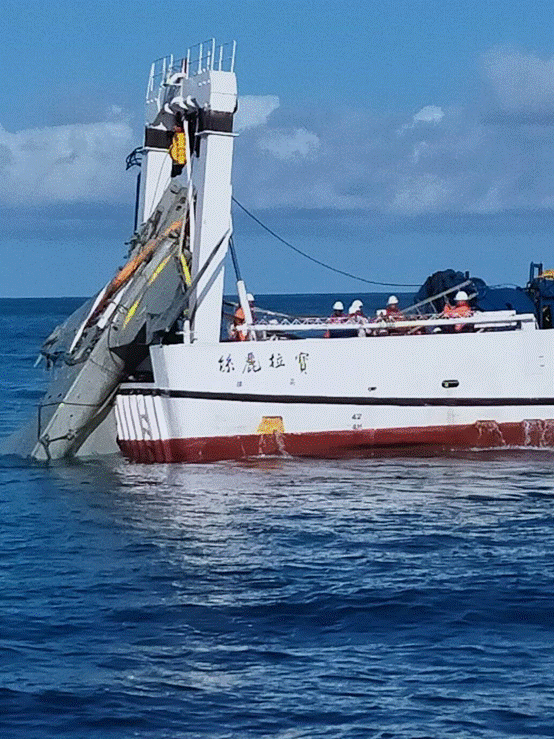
365 598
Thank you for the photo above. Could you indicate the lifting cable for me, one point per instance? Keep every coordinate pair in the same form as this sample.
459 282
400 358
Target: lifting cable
317 261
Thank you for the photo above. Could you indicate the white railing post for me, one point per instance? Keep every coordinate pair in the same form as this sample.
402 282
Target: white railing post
150 85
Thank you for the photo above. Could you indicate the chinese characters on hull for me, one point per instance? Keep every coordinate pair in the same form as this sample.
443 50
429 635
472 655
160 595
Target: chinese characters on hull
252 364
226 364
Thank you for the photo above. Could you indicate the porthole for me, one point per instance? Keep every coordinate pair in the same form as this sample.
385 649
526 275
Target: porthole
450 383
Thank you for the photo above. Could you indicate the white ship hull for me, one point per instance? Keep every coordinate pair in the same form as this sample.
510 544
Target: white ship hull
326 398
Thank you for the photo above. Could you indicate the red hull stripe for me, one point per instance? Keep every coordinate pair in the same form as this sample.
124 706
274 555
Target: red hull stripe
333 444
334 400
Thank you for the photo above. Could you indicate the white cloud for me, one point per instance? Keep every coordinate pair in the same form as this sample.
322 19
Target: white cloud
74 163
288 144
422 193
428 114
459 160
115 111
419 150
491 202
254 110
519 81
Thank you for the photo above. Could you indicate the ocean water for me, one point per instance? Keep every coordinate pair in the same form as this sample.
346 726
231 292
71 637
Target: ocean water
396 597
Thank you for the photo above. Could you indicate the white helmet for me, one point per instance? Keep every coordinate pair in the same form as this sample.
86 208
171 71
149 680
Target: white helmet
461 295
250 297
353 309
356 304
338 306
393 300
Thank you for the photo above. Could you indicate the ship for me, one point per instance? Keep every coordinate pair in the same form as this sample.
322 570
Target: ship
147 370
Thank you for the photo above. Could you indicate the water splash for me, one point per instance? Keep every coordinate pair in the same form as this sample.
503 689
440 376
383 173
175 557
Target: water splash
280 442
490 434
538 433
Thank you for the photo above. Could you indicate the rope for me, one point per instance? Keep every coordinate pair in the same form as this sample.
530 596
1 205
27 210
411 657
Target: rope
317 261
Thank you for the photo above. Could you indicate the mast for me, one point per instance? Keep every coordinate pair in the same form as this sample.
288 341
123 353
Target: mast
200 90
214 91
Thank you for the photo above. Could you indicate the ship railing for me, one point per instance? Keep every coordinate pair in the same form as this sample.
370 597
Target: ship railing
160 70
209 56
483 321
206 56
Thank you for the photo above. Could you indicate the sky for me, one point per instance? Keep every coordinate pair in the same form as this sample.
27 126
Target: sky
387 139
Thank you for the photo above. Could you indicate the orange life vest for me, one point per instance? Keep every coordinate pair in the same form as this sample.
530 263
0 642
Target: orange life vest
178 148
462 310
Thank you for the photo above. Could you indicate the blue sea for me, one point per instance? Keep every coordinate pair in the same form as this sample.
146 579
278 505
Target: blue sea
399 597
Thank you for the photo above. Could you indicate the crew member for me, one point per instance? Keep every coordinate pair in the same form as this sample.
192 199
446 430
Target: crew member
356 309
462 309
238 329
178 149
392 311
337 317
356 315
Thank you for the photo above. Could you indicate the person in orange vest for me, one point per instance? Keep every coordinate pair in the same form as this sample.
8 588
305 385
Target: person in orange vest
238 330
462 309
178 149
